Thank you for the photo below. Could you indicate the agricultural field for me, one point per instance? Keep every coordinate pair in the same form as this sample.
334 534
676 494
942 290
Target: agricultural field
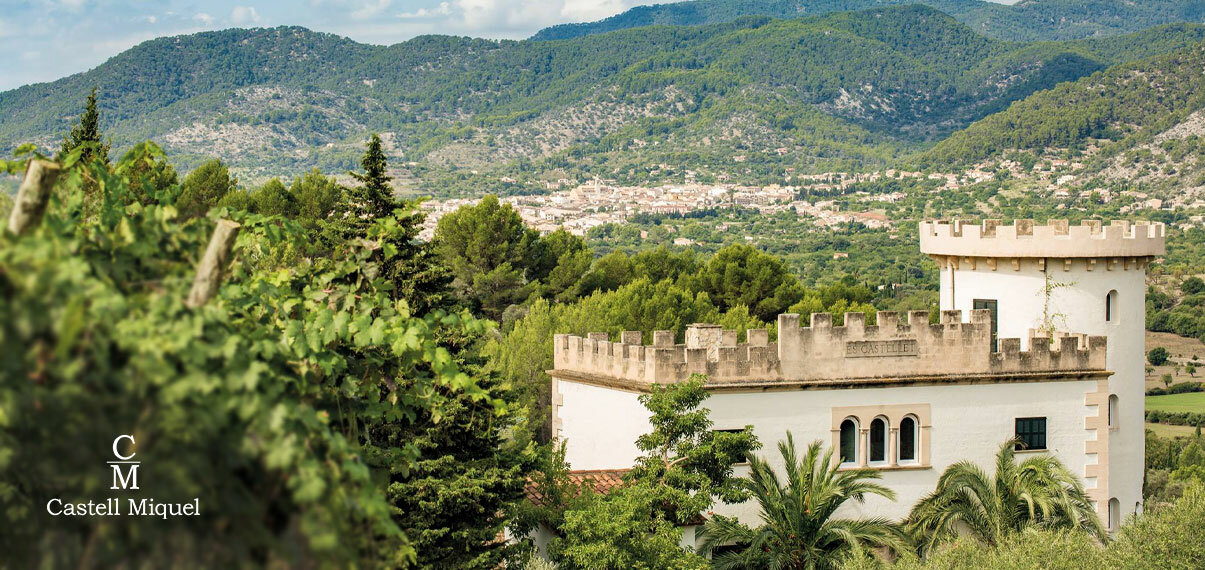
1189 402
1182 350
1165 430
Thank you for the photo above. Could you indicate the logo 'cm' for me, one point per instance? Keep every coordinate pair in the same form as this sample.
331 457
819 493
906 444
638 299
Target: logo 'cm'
129 479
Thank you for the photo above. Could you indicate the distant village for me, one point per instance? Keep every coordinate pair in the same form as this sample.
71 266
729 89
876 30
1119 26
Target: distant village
578 207
595 203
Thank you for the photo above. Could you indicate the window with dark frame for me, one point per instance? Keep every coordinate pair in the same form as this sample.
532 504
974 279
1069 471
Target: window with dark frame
1031 434
991 305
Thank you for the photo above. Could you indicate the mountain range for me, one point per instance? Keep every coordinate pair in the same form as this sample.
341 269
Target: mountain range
1028 20
747 99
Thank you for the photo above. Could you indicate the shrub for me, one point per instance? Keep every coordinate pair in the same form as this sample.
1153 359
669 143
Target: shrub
1181 388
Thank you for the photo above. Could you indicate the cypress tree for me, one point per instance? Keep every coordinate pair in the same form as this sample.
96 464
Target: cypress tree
87 132
416 271
374 198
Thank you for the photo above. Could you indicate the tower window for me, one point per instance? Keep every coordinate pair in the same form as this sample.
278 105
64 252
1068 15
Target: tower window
1113 411
849 441
907 439
991 305
1111 307
878 440
1031 433
1114 514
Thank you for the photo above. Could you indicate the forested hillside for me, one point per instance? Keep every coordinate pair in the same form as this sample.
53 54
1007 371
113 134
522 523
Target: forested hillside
1027 20
746 99
1139 123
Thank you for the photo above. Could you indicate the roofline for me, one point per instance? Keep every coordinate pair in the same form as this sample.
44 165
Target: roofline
783 385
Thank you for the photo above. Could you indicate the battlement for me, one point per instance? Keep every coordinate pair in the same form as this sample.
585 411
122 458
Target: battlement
1091 238
890 351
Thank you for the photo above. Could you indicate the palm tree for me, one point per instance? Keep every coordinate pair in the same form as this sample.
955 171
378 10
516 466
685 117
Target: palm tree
1038 492
798 529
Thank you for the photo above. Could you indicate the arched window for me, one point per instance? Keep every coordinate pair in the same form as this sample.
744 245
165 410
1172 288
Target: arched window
1111 307
908 433
878 440
1113 411
849 441
1114 515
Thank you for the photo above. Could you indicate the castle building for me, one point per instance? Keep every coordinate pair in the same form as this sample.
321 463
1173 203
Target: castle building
909 395
1087 278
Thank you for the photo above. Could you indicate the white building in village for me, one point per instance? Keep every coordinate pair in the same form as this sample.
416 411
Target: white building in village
1050 350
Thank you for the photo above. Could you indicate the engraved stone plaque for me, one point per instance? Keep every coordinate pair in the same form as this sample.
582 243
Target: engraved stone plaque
881 348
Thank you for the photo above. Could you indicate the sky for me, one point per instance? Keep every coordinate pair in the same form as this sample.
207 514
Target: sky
43 40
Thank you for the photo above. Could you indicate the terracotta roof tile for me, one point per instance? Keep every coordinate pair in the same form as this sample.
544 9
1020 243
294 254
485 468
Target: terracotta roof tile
601 481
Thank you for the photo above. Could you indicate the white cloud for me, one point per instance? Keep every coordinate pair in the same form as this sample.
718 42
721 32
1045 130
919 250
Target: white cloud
203 19
530 15
243 15
444 9
151 19
371 9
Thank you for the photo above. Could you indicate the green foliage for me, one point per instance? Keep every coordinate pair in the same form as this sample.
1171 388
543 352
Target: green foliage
204 187
1047 20
86 134
621 530
742 275
1161 538
1110 105
457 495
273 199
1179 388
563 259
879 266
1037 492
686 463
316 196
1157 356
374 197
259 403
836 90
1182 314
610 272
684 467
798 527
487 248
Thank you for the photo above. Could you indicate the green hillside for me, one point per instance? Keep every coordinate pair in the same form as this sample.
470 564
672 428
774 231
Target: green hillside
1141 112
746 99
1028 20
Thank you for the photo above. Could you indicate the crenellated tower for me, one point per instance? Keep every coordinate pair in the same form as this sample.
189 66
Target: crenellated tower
1089 278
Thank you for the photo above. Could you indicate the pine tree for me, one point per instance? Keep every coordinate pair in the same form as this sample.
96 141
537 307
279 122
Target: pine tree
374 198
452 501
87 132
416 271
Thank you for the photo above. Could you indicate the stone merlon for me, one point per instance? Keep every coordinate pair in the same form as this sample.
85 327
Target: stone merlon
1056 239
893 350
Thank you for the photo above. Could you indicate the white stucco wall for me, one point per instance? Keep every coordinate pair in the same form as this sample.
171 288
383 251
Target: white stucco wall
968 422
1079 305
600 425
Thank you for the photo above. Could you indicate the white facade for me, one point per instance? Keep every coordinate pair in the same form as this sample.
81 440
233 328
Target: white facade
1077 302
1092 282
968 422
965 384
